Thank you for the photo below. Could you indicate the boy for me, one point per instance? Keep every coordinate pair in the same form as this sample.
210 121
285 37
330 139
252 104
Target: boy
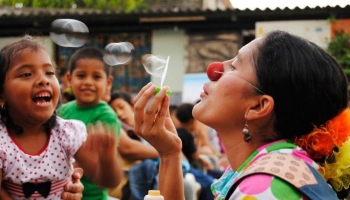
89 77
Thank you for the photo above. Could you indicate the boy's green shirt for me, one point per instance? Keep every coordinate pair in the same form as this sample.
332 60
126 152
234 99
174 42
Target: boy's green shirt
101 112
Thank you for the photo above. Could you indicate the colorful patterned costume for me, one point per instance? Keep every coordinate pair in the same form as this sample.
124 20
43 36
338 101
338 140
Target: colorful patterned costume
267 186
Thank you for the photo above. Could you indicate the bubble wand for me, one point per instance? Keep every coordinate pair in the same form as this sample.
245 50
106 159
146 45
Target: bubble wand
168 92
158 67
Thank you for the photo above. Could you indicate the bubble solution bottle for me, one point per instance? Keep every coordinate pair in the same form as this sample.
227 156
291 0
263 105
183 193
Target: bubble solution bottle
154 195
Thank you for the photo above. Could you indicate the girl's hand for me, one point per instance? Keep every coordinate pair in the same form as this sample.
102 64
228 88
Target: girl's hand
74 190
153 122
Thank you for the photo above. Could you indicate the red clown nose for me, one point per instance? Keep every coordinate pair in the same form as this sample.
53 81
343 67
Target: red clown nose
215 71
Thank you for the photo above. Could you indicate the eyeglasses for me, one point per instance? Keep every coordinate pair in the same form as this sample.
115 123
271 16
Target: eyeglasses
244 81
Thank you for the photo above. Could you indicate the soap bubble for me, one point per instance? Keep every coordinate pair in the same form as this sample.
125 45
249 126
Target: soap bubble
155 66
69 32
118 53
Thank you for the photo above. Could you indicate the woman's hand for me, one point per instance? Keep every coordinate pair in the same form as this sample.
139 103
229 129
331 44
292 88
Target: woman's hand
74 190
153 122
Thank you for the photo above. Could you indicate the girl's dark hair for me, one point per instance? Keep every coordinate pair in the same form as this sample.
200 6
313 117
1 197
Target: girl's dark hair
8 54
172 108
90 53
307 84
184 112
120 94
126 97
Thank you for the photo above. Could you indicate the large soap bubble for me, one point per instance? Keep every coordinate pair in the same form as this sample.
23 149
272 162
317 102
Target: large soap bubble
156 66
119 53
69 32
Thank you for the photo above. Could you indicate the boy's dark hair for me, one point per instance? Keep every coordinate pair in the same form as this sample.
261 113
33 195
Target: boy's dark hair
7 54
90 53
307 84
184 112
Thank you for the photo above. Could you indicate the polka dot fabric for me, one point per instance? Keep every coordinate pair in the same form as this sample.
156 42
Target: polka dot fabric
53 163
261 186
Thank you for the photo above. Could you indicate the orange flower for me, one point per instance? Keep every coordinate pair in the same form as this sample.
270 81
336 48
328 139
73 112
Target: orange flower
320 142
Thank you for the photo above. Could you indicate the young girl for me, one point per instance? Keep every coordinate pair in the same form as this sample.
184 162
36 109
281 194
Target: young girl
121 103
37 148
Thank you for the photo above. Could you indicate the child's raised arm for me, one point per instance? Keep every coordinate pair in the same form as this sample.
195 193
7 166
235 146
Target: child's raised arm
99 157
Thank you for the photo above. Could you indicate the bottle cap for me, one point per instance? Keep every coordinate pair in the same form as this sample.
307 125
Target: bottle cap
154 192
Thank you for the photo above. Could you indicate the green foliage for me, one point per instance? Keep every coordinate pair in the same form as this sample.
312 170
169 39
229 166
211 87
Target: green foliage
121 5
339 47
118 5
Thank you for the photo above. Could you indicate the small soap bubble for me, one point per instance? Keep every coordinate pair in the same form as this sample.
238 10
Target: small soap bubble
154 65
119 53
69 32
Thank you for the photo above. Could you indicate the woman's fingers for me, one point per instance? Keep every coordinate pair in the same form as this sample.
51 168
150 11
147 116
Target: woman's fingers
140 103
139 94
153 121
162 109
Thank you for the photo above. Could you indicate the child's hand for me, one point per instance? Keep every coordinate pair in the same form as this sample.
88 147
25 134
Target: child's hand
74 190
102 139
98 156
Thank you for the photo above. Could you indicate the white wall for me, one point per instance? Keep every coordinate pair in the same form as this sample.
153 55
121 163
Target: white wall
317 31
170 43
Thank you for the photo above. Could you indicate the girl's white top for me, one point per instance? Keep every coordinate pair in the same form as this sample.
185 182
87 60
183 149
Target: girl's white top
53 163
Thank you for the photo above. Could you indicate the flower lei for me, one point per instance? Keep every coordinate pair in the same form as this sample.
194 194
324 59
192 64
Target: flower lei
329 146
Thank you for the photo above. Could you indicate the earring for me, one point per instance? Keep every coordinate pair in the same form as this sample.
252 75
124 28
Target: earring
3 113
2 107
247 137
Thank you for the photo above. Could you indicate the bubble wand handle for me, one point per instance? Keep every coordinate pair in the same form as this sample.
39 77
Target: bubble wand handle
163 78
164 72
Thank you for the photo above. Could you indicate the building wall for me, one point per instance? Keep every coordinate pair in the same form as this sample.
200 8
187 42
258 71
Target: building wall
341 26
171 43
129 77
317 31
190 54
